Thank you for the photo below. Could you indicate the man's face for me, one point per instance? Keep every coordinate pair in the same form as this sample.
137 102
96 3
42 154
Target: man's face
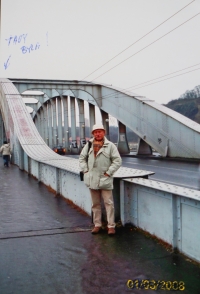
99 134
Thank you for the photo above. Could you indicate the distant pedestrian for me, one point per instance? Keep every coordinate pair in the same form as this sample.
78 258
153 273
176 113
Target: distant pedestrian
6 152
99 163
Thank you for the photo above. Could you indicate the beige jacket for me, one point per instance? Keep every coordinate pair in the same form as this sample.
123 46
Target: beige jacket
5 149
107 161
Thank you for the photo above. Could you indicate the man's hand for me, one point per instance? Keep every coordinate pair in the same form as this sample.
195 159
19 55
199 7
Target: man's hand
106 175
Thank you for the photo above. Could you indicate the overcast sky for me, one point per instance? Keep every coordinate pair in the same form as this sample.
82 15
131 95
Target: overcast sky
69 39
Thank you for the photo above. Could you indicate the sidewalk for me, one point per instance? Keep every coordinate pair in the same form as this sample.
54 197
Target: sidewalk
46 247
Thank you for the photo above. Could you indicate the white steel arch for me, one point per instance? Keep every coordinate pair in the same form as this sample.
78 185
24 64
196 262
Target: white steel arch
168 132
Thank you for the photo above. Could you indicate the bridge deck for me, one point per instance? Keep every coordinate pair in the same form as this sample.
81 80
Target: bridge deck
46 247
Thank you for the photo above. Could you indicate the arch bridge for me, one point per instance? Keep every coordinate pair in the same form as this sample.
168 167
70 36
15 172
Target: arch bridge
168 132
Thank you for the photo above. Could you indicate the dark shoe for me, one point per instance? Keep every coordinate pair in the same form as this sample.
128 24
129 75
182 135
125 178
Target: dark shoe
96 230
111 231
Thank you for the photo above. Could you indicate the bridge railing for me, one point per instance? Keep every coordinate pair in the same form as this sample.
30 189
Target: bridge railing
169 212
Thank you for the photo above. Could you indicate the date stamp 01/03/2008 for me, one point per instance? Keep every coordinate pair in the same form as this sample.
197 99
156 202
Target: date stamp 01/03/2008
156 285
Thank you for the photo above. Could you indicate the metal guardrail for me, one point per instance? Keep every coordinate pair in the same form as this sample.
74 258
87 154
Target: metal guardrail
169 212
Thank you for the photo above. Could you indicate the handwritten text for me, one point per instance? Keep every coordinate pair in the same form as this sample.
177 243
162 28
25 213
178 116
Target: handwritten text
30 48
16 39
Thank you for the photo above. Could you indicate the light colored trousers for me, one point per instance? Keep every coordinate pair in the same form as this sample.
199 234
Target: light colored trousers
109 206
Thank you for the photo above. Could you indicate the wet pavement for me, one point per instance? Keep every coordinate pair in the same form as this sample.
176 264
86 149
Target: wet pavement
46 247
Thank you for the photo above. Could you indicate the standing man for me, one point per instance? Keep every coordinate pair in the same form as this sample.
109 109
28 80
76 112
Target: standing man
6 152
98 163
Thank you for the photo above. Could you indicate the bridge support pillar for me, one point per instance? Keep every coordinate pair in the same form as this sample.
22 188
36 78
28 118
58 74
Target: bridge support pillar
91 116
105 121
60 131
143 148
81 123
74 146
122 139
55 135
49 133
45 123
66 122
42 123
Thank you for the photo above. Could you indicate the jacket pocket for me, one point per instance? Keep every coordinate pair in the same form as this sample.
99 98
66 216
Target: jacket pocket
106 183
87 179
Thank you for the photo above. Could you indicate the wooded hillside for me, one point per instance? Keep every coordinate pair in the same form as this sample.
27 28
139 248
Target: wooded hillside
188 104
